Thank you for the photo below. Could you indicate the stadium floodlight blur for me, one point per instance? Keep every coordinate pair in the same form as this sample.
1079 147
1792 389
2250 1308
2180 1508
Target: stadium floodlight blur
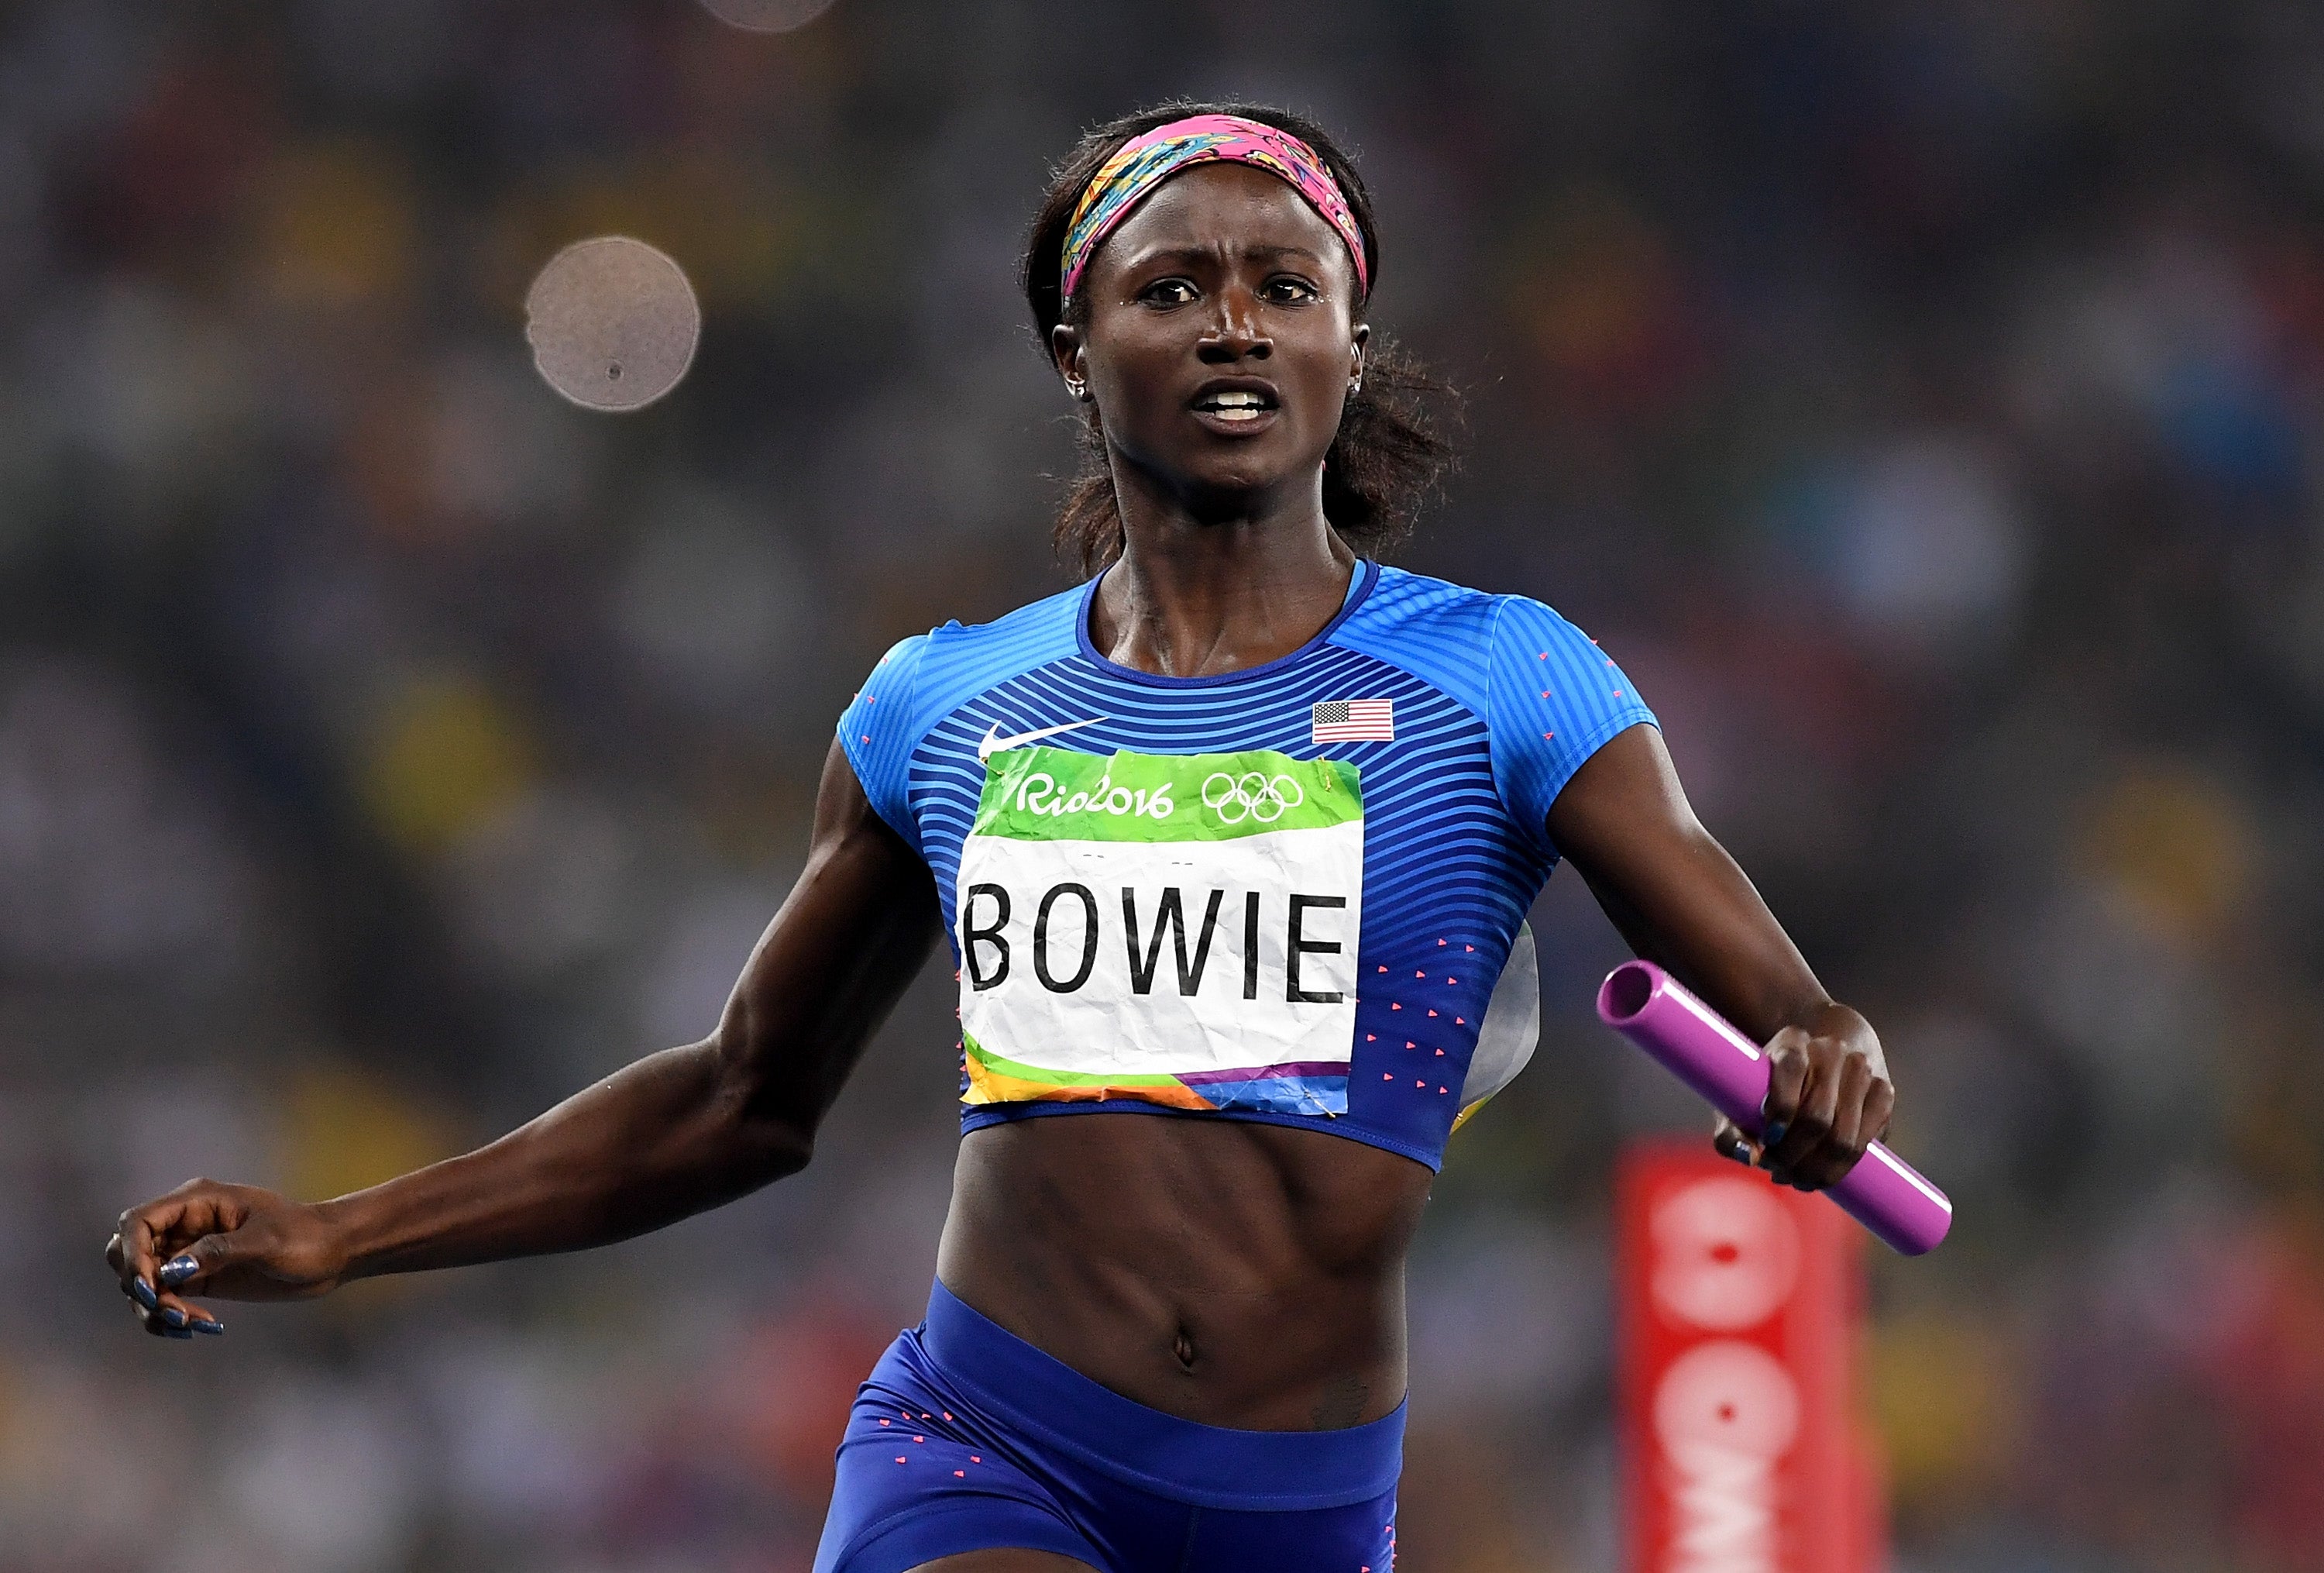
766 16
612 323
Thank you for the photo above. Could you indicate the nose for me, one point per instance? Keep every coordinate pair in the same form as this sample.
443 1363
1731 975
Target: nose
1235 334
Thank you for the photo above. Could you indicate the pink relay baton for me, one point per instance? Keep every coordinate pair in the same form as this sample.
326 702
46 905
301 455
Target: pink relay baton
1694 1043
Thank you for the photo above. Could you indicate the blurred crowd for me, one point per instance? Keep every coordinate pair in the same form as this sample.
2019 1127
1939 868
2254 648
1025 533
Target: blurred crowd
1926 402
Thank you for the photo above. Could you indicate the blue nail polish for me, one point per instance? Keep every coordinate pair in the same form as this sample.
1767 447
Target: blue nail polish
1767 1138
1741 1154
177 1270
143 1293
209 1325
174 1317
177 1332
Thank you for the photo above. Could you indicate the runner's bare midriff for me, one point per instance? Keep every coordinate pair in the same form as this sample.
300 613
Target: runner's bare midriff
1239 1274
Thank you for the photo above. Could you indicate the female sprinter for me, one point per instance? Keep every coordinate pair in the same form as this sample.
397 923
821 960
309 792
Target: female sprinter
1231 847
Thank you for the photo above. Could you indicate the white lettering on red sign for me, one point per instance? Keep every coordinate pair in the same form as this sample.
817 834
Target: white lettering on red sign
1737 1333
1724 1412
1726 1255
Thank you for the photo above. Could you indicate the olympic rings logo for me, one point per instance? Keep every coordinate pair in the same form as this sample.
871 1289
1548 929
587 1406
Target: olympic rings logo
1254 796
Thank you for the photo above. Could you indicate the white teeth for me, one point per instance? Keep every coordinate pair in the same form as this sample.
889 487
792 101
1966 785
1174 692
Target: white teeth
1236 406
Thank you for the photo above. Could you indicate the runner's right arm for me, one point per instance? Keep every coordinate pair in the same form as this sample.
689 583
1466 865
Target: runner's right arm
672 1134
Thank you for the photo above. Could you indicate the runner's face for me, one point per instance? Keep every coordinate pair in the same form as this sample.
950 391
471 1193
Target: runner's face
1220 336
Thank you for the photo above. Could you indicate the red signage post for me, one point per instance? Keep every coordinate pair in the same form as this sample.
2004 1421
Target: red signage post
1743 1448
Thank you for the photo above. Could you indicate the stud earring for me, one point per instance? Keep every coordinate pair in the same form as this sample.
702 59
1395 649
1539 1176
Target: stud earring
1077 388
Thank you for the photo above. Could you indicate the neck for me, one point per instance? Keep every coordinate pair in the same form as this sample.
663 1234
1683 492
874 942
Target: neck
1201 593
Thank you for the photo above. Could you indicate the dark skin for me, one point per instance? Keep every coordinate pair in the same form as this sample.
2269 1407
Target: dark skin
1237 1274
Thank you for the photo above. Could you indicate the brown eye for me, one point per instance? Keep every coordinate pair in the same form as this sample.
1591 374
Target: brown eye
1291 289
1168 292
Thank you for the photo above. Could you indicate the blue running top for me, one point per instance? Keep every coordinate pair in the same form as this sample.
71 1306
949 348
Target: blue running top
1285 893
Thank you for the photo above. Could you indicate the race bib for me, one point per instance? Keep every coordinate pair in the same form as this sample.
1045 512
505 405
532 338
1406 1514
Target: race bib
1179 929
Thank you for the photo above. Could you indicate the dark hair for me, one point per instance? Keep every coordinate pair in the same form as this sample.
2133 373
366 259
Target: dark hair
1391 450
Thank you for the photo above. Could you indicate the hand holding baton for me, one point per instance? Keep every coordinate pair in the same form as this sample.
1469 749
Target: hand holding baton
1652 1009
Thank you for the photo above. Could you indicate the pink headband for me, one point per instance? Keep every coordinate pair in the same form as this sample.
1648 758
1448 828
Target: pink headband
1144 163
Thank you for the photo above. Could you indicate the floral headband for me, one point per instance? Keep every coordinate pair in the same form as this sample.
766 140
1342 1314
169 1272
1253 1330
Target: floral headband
1144 163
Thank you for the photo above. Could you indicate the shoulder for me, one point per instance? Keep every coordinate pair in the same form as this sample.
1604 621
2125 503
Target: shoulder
1450 634
1547 695
1418 605
961 660
1405 600
1037 625
925 676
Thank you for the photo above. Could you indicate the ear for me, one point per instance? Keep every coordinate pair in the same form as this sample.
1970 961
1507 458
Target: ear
1359 339
1072 359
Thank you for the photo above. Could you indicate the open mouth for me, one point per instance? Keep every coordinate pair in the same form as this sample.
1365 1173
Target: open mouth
1235 404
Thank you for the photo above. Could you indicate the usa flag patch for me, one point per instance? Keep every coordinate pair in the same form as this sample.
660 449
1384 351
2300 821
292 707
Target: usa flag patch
1354 721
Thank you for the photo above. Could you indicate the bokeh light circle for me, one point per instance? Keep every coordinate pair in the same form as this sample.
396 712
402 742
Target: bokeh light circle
766 16
612 323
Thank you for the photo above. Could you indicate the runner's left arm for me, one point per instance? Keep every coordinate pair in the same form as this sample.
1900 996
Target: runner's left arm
1623 821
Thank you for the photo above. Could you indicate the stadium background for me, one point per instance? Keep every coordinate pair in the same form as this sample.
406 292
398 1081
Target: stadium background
1924 401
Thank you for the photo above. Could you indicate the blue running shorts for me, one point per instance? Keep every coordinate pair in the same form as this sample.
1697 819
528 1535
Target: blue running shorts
966 1437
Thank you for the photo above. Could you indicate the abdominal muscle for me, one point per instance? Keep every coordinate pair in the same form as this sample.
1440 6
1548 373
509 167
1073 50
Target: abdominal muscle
1230 1273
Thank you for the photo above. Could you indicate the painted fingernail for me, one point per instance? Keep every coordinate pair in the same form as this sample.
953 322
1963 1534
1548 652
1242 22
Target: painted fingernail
1741 1154
143 1293
1767 1138
174 1317
209 1325
177 1270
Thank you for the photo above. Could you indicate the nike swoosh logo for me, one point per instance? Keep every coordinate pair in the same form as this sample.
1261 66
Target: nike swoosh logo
992 742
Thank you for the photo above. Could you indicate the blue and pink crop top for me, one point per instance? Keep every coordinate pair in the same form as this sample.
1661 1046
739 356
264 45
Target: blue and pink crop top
1287 893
